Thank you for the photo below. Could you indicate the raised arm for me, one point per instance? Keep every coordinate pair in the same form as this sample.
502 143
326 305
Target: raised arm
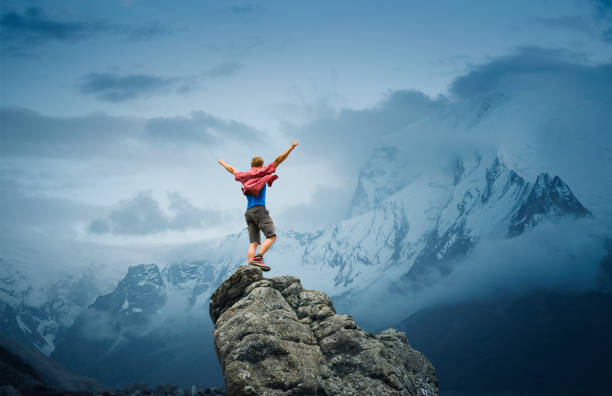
284 155
229 168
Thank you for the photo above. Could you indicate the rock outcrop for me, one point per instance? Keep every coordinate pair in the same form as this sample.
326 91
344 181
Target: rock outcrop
273 337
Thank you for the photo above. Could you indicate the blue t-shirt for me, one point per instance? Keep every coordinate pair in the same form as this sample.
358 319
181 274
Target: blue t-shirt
253 200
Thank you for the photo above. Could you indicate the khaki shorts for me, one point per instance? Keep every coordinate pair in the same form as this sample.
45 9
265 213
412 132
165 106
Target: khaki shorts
258 219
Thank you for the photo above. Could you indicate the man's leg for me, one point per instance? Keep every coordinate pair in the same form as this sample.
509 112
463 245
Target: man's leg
252 250
267 227
266 245
253 234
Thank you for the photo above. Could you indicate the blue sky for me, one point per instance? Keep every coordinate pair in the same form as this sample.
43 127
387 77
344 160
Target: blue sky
116 109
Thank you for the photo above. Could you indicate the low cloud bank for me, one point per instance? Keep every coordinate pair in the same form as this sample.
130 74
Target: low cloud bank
561 255
143 215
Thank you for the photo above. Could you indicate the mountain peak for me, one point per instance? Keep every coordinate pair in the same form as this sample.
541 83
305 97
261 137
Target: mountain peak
142 270
140 292
272 336
379 178
549 197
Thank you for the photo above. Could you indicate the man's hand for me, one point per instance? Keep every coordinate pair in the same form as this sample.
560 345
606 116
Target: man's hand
293 145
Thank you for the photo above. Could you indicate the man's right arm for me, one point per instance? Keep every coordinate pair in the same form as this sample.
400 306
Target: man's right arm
229 168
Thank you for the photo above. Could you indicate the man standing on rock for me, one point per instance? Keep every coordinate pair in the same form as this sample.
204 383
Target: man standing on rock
257 216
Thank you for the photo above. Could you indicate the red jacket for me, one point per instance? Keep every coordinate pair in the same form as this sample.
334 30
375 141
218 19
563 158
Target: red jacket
254 180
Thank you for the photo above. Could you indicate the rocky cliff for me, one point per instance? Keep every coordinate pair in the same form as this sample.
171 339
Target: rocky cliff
273 337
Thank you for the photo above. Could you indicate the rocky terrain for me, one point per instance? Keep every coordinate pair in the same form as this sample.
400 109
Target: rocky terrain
273 337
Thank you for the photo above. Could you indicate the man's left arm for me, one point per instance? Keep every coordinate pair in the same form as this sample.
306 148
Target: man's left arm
284 155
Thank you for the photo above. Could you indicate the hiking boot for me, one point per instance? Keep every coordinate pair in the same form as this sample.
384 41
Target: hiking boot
259 262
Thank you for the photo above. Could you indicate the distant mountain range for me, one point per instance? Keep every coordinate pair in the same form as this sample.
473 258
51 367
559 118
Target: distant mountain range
34 316
152 328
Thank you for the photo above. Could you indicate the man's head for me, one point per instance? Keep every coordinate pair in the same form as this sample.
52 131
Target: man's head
257 162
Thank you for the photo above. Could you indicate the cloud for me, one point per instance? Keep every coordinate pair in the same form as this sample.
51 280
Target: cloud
523 60
143 32
328 207
35 27
602 8
568 22
223 69
544 109
200 127
246 9
21 211
603 14
25 132
563 255
142 215
116 87
590 25
348 136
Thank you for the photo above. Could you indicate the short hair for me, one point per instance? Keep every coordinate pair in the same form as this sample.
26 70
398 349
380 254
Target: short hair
256 162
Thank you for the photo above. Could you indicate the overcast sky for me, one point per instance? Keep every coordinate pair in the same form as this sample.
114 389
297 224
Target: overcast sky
113 114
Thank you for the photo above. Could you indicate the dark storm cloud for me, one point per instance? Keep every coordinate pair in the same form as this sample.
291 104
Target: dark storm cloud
199 127
603 13
34 27
603 8
533 60
142 215
115 88
26 132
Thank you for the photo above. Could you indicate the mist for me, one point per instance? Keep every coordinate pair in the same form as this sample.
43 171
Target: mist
562 256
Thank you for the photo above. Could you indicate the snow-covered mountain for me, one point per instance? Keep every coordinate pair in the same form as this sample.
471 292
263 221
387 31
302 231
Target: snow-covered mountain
33 314
147 292
153 315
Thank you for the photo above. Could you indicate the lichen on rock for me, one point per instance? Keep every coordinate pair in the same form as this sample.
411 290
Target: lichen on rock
273 337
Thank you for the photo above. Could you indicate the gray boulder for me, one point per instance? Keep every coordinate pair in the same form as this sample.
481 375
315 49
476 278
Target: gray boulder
273 337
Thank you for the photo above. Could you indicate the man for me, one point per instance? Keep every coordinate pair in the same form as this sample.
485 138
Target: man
257 216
